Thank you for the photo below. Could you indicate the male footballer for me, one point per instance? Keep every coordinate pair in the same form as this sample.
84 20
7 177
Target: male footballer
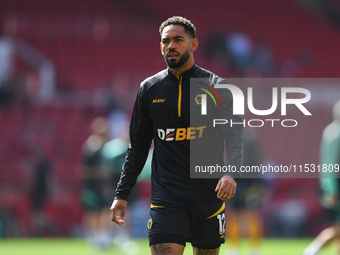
183 209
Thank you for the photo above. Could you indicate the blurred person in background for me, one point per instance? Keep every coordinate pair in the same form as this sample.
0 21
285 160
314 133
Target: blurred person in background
244 219
7 49
216 50
114 153
262 62
118 103
330 185
240 47
183 209
40 192
8 88
6 59
95 218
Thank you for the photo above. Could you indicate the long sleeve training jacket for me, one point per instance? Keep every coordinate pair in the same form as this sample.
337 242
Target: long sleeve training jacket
165 111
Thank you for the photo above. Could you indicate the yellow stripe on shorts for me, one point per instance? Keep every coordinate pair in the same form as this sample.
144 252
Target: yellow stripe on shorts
156 206
218 212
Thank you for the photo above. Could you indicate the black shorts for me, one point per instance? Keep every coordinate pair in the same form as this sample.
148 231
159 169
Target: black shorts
177 221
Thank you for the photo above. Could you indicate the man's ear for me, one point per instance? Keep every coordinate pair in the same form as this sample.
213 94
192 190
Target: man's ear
160 46
194 44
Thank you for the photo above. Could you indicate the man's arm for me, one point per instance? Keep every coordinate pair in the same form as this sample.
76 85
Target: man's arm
233 140
137 153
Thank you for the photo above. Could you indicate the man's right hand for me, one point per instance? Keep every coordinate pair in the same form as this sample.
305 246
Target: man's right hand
118 205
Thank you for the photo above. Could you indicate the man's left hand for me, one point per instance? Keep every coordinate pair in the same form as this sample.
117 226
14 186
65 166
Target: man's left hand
226 188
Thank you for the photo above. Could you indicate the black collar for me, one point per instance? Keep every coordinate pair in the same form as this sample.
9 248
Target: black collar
185 75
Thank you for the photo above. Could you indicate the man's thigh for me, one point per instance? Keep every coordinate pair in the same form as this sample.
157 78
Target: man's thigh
208 225
169 223
178 222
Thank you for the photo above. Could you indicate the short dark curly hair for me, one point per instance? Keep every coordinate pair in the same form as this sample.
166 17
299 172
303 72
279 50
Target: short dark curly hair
178 20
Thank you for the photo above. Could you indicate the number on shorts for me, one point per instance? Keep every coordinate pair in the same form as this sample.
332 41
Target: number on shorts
221 221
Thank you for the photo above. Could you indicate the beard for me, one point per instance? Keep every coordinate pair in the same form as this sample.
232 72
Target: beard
176 64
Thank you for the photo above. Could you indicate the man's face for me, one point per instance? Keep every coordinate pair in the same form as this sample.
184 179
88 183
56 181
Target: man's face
175 45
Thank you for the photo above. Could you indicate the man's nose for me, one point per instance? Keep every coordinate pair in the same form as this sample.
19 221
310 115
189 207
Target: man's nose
171 45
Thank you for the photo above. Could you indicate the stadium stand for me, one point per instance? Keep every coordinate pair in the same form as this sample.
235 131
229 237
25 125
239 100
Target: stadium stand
91 42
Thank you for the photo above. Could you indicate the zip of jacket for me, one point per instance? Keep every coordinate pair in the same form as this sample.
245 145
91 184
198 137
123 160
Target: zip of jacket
179 106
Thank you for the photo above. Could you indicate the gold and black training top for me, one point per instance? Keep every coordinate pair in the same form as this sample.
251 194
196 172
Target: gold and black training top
168 111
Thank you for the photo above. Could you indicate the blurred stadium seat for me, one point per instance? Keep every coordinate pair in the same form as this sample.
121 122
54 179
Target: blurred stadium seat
86 56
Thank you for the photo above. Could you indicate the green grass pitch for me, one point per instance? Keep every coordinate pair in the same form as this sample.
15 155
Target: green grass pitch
79 246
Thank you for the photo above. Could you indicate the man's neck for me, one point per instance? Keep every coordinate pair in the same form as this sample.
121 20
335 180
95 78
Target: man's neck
180 70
